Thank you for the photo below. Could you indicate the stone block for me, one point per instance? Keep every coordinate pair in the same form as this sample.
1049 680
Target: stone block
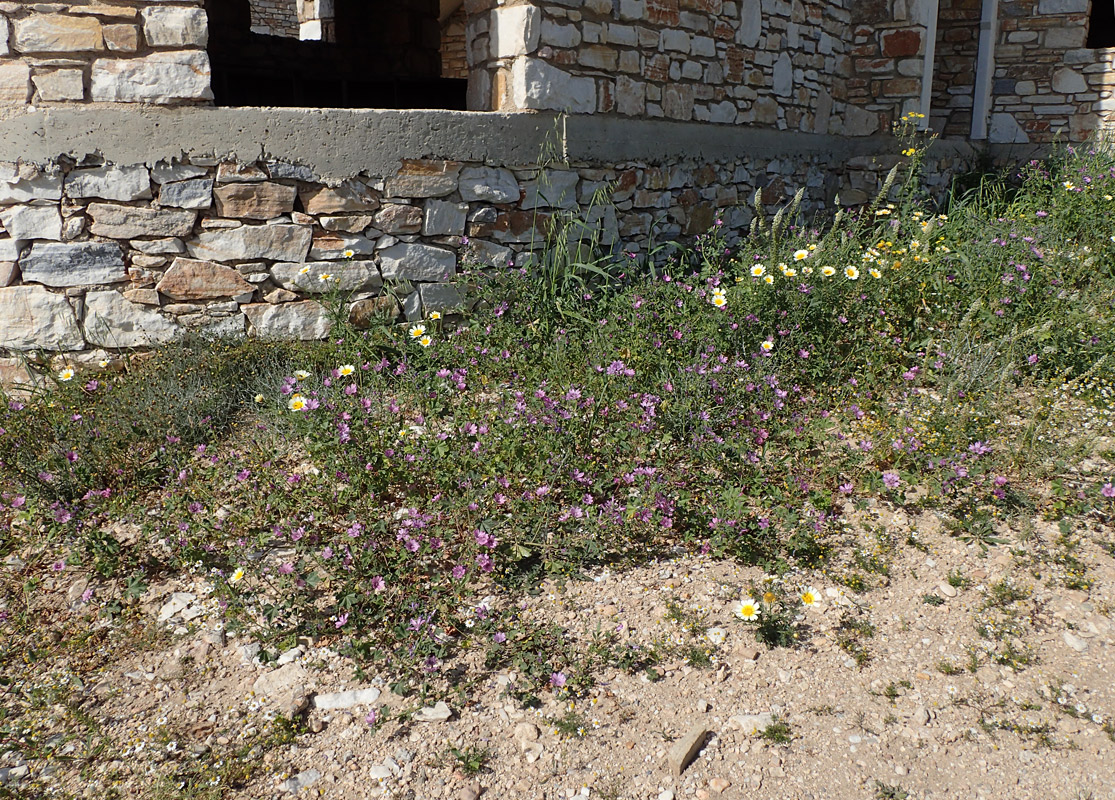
252 242
1005 129
128 222
440 297
25 190
121 38
32 222
417 262
5 33
113 321
158 246
555 188
444 218
488 184
515 30
59 85
35 319
352 195
346 276
77 264
306 320
536 85
191 279
55 33
110 183
263 200
1065 38
156 78
235 172
15 84
1063 6
164 172
901 43
751 23
196 193
175 26
488 253
372 311
399 219
355 223
1069 81
336 246
419 178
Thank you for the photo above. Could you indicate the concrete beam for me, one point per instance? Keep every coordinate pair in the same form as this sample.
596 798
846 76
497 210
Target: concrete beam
338 144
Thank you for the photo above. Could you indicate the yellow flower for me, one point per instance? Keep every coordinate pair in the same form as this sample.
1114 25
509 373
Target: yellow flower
425 341
348 253
909 151
301 374
915 244
104 362
1069 185
789 273
768 597
346 370
851 273
828 272
758 271
801 255
882 212
746 609
768 279
305 270
325 277
258 398
296 403
435 315
237 576
767 346
874 273
66 374
417 331
809 597
719 300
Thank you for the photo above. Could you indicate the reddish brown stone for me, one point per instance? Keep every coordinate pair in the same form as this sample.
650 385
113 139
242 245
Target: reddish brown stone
254 200
900 44
189 279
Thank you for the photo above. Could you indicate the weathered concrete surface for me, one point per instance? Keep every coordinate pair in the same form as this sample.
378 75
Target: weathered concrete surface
376 142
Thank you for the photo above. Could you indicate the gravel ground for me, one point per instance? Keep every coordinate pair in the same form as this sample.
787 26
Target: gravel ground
888 724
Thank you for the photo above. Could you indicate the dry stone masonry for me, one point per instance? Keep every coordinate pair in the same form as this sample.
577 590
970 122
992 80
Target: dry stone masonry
684 109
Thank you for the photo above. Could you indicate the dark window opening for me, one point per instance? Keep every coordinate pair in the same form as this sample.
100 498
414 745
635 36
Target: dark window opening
1101 24
377 54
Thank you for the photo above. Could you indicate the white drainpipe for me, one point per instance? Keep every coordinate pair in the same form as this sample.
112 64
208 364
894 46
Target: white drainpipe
932 11
985 68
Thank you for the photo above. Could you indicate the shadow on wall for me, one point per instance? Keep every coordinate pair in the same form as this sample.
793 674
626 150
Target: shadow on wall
386 55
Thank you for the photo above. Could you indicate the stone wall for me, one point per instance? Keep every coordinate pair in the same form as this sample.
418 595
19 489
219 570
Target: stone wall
275 18
123 52
771 63
888 60
1047 84
100 255
454 45
954 69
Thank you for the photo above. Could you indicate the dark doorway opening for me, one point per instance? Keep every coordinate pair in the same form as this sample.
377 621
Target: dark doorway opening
1101 24
384 54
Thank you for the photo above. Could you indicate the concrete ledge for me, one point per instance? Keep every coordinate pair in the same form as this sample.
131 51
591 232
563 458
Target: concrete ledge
339 143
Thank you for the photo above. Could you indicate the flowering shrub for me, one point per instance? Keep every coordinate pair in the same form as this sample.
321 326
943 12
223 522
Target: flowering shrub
384 488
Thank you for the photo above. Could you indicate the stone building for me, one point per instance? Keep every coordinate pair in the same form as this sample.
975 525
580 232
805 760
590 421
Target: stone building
195 164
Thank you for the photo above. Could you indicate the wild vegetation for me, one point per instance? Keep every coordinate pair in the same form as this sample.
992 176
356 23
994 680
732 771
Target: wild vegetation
393 491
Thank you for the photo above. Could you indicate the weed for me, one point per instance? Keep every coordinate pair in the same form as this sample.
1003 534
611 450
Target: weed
777 732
